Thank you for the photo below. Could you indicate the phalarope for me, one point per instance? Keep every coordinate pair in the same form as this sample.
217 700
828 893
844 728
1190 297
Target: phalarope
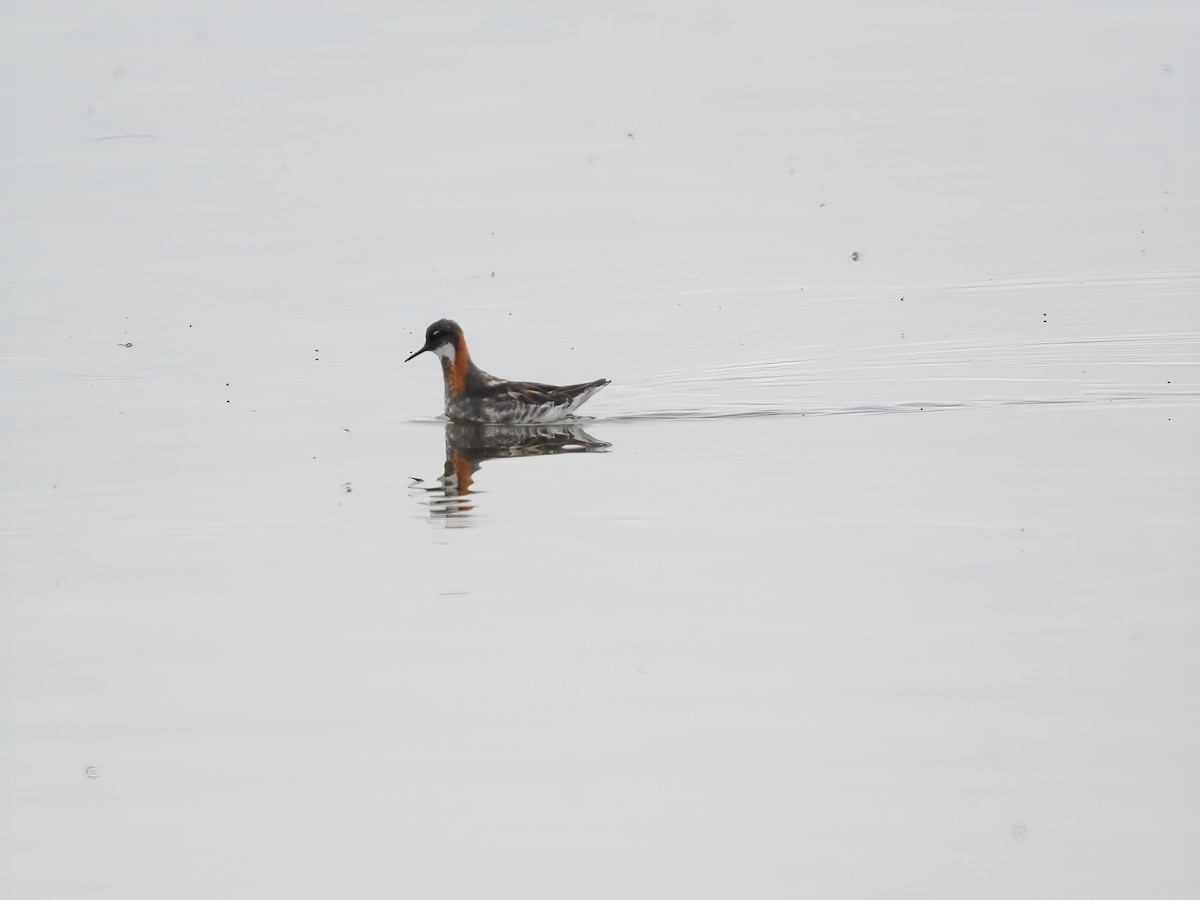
472 395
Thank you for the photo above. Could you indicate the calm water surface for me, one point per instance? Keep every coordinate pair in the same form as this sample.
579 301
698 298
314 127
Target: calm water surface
871 574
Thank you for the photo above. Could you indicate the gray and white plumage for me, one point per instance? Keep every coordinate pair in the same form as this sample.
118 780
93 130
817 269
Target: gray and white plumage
472 395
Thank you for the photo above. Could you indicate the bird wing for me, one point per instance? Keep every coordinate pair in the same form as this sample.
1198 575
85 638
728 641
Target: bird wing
532 392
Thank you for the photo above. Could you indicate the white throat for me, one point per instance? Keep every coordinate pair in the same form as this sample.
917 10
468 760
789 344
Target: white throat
446 352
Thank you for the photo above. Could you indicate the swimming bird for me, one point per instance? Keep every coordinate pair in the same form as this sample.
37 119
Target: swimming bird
472 395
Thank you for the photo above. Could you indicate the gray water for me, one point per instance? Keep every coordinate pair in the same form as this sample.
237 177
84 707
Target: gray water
871 574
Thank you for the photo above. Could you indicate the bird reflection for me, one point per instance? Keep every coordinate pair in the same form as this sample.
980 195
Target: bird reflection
469 445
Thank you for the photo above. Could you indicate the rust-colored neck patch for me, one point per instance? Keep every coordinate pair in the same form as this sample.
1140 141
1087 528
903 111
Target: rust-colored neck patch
455 373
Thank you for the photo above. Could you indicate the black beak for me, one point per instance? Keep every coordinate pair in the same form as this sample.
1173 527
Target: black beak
419 352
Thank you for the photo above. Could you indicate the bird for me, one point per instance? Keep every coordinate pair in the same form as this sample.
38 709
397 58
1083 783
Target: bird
472 395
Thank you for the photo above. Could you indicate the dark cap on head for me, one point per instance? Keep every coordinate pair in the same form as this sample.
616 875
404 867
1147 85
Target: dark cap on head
443 331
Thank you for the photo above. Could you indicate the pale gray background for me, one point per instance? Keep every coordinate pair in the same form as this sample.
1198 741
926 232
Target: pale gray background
886 588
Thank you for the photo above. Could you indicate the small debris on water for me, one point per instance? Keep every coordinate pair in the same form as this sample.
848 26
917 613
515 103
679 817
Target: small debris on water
91 772
126 344
346 487
854 256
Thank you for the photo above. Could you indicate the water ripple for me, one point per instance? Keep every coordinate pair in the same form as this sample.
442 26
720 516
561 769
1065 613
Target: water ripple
891 408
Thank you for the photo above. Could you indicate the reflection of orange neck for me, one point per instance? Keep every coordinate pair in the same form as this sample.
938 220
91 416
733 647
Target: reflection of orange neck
461 469
455 373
